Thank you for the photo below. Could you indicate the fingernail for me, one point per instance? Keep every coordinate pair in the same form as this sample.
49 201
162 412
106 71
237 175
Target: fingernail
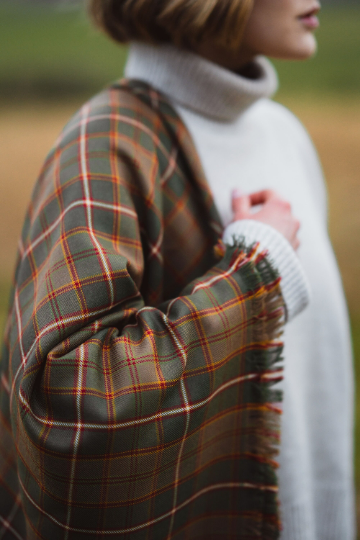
237 193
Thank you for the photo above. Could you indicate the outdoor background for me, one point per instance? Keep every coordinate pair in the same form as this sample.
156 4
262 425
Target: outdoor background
51 60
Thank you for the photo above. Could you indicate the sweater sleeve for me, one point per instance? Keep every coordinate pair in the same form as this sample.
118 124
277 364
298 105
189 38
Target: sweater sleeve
127 414
294 284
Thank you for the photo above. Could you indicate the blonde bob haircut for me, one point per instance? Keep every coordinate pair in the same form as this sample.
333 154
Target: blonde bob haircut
186 23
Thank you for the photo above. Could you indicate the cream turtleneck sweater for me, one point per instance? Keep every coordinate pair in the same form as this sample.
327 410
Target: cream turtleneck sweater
248 142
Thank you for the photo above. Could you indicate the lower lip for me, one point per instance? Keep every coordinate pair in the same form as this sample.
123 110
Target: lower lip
311 22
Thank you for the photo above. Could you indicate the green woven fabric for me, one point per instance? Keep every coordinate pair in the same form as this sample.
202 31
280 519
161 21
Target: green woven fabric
138 360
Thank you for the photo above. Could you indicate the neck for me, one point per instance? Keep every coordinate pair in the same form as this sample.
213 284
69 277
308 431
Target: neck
236 61
199 84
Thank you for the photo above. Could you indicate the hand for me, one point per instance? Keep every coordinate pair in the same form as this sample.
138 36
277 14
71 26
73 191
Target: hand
274 211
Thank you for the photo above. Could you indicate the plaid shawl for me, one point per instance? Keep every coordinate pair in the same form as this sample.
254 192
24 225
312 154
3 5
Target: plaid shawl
136 374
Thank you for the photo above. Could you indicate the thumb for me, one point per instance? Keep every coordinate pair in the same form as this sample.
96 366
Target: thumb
241 203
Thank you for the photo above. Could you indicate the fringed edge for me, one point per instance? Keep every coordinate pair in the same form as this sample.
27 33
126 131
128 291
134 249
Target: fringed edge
268 313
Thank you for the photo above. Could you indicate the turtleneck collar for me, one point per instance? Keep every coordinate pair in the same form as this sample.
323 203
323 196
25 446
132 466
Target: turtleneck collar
197 83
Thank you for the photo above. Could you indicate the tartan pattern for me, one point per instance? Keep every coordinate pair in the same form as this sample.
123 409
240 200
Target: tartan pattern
138 360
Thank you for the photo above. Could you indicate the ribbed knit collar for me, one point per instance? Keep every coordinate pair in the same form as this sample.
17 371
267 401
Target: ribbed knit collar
198 84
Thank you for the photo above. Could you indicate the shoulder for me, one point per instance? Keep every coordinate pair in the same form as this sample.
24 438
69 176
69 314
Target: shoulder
126 133
119 110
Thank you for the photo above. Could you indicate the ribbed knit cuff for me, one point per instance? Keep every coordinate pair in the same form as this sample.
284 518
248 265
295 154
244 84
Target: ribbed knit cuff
294 284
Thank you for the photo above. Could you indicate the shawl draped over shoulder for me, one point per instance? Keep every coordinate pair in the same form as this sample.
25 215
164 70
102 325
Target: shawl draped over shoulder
136 395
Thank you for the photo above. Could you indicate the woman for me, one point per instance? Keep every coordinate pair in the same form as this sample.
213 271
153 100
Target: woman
138 360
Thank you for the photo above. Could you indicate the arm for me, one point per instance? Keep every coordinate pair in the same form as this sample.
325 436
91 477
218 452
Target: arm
117 403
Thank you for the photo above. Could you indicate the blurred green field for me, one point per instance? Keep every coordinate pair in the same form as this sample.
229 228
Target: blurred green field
52 52
52 56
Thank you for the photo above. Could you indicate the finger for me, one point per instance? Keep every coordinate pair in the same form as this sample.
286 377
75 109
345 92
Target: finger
235 194
295 227
296 244
241 205
262 197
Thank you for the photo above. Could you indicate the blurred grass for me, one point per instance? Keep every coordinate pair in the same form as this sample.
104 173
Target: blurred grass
53 53
50 52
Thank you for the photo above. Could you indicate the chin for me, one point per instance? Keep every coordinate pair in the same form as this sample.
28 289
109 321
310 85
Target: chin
304 50
307 53
295 51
